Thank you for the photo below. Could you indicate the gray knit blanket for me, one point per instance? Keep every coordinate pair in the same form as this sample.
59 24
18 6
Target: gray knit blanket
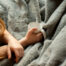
17 14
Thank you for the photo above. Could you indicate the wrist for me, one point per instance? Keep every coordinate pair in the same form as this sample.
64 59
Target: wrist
24 42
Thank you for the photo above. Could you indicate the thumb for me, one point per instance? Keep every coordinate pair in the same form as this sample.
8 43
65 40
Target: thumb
9 53
33 30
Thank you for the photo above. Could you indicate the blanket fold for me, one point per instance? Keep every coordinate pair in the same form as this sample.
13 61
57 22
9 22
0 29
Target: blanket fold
52 51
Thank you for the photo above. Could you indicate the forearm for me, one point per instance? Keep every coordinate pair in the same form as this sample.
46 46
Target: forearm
24 42
7 37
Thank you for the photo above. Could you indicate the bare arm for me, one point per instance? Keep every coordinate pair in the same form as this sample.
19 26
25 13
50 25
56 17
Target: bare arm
13 46
3 52
31 37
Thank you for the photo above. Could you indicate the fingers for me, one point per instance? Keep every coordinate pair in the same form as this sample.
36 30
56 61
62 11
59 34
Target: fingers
32 30
18 53
9 53
39 36
21 52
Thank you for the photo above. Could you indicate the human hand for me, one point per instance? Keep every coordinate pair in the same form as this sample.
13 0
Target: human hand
3 52
32 37
2 27
55 54
15 47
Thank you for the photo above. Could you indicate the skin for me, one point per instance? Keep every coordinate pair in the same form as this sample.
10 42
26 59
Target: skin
3 52
17 47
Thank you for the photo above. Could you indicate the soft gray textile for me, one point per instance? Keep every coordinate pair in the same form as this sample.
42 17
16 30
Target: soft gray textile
19 13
